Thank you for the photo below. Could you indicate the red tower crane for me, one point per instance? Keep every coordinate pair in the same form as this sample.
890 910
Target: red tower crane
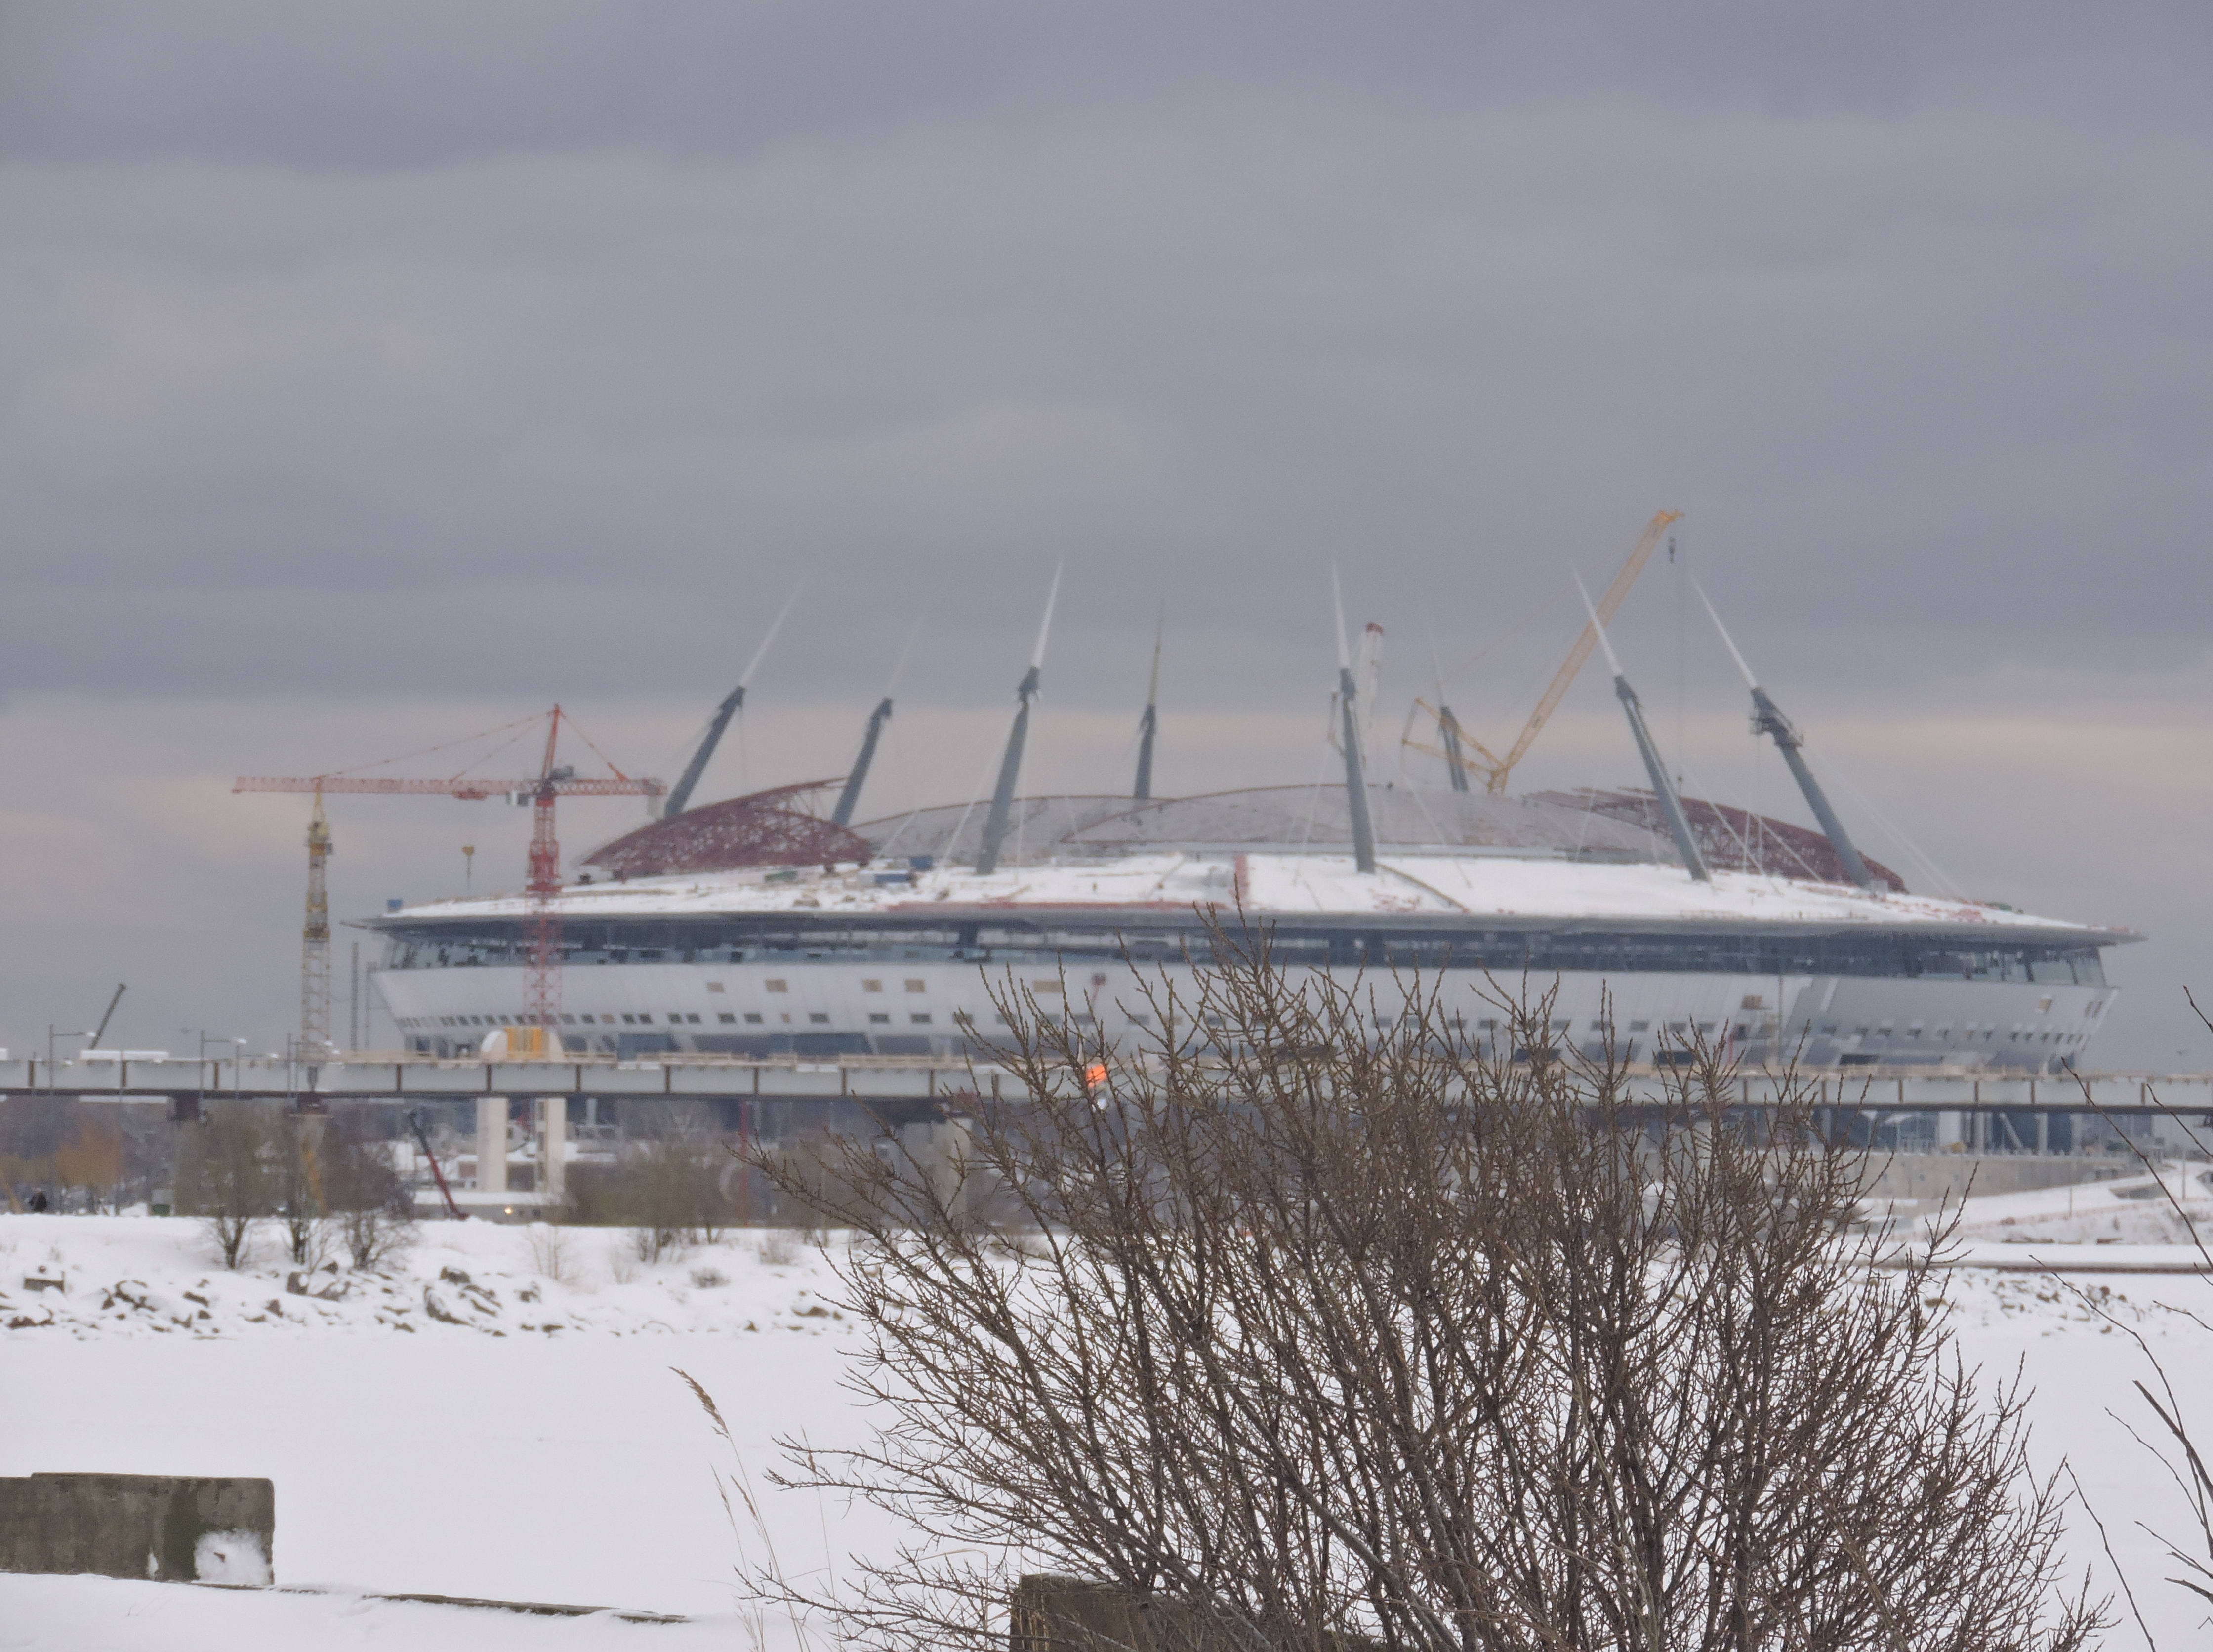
541 992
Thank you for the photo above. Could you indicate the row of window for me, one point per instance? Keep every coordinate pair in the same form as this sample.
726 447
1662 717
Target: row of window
675 1018
1893 955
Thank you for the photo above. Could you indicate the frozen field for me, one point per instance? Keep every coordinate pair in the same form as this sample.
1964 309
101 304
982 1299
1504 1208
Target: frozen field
528 1440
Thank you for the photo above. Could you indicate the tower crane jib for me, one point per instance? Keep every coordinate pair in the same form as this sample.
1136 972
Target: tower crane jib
1462 752
1607 608
542 986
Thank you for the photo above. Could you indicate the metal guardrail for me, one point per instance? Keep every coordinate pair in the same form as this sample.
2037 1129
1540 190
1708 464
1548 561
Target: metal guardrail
370 1075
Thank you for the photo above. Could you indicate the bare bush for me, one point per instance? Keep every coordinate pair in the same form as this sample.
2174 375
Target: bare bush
668 1193
2172 1442
549 1251
777 1247
1350 1334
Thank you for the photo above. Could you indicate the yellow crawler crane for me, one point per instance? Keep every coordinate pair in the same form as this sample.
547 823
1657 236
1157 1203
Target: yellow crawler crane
1468 755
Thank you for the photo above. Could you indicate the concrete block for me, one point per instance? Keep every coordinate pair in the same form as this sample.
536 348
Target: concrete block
153 1526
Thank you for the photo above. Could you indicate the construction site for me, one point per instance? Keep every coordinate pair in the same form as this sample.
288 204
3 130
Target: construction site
780 962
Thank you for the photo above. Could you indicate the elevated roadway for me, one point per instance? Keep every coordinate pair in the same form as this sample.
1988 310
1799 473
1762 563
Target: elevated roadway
371 1076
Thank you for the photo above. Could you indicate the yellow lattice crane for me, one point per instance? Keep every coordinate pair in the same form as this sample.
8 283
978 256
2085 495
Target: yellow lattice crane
315 941
1465 753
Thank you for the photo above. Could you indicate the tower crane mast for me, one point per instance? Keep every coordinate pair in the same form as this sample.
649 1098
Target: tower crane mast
315 939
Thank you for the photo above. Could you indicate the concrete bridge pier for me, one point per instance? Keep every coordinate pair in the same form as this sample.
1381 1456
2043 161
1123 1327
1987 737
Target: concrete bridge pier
492 1144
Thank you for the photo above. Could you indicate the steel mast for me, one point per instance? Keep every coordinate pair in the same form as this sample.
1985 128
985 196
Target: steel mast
1010 765
1767 719
1448 724
843 814
1671 805
1356 776
1149 724
679 795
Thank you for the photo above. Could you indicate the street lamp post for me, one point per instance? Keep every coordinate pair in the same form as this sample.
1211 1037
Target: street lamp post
52 1033
237 1059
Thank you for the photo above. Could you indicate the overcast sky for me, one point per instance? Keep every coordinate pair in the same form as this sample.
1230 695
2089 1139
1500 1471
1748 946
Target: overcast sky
373 374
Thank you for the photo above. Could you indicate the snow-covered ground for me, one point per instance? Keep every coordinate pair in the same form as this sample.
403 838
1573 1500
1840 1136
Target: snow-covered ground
524 1437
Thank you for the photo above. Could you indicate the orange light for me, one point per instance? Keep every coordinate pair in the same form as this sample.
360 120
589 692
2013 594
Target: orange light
1095 1074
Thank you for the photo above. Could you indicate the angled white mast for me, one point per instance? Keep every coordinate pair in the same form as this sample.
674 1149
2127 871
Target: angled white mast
1148 725
1010 765
1767 719
1356 776
679 795
843 814
1671 805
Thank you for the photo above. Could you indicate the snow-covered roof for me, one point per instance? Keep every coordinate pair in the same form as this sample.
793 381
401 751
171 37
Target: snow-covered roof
1441 889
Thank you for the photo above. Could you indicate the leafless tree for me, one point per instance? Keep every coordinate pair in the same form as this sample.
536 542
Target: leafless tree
297 1189
234 1174
1351 1332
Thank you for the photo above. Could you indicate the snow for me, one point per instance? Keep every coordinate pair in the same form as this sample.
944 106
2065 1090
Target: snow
102 1276
471 1456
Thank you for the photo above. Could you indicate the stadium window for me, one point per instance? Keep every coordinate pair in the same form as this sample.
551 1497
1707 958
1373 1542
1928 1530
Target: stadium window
872 986
818 1018
779 986
727 1018
753 1018
921 1020
917 986
876 1019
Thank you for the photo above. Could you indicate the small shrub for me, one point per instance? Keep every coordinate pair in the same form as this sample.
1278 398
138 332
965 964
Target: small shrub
549 1252
709 1278
778 1247
621 1265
